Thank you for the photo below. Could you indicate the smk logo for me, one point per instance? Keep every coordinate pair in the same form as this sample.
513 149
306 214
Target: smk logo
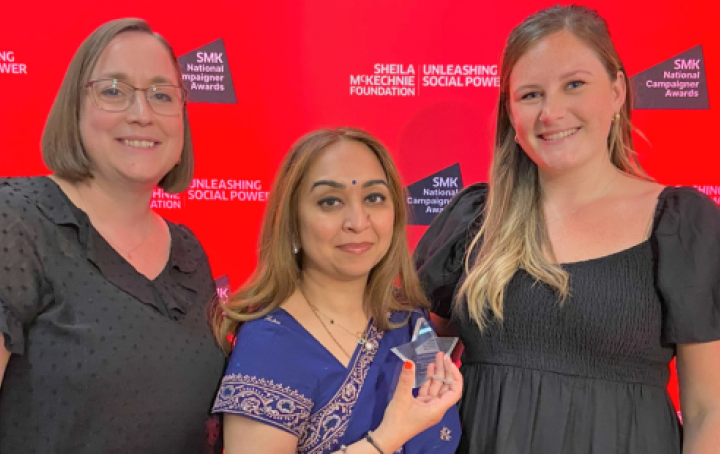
428 197
677 83
206 74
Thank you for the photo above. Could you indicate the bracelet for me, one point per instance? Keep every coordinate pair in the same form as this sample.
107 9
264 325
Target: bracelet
370 440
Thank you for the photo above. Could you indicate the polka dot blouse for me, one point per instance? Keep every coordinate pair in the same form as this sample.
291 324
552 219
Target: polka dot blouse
103 359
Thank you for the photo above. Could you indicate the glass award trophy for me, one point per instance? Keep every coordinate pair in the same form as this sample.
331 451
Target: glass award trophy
423 348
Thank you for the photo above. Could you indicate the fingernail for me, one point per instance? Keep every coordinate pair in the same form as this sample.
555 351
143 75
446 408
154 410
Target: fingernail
408 365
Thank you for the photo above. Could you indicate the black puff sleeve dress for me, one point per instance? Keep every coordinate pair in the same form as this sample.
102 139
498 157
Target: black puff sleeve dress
589 376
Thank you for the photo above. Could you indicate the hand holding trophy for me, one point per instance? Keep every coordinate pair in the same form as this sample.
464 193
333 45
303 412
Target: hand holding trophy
427 366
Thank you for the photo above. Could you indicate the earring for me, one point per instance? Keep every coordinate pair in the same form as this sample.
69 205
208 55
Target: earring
616 116
516 139
295 248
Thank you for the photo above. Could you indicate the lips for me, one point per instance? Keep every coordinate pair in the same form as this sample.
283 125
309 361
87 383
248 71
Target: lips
558 134
355 248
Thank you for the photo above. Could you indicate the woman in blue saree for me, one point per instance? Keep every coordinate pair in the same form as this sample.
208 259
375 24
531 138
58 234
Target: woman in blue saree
312 368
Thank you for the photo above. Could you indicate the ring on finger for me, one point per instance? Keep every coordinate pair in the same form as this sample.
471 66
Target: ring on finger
447 381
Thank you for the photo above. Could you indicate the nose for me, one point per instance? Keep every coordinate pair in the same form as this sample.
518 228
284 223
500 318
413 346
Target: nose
357 218
139 110
553 108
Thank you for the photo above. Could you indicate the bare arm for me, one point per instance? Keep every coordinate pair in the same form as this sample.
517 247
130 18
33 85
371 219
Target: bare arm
244 436
699 377
4 358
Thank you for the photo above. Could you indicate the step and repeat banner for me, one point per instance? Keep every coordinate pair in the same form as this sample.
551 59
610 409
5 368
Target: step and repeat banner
420 75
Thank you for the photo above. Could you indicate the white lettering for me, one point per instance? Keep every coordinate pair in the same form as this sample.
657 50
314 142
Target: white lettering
687 64
13 68
213 57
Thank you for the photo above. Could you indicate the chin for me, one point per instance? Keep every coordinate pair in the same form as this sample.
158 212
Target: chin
147 174
557 163
354 273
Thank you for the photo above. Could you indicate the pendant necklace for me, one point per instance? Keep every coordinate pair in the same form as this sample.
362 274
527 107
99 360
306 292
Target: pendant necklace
361 337
127 254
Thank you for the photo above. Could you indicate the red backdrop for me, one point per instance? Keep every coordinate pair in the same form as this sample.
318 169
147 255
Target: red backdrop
291 65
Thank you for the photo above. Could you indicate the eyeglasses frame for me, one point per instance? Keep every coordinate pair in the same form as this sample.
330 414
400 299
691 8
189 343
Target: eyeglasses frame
183 93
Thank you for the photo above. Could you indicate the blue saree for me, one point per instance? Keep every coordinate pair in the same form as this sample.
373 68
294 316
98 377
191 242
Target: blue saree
281 375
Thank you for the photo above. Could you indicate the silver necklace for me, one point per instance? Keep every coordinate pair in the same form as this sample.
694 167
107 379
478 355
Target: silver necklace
125 253
128 254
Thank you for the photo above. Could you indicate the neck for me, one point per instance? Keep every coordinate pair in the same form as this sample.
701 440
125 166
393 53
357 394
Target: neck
108 204
341 299
568 190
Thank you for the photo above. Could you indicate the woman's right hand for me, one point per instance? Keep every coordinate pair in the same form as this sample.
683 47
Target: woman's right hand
407 415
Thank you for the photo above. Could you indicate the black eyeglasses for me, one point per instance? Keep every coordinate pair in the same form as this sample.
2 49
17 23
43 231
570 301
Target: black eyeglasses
116 96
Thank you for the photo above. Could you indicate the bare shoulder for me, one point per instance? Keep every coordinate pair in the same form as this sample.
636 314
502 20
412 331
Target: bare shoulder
640 191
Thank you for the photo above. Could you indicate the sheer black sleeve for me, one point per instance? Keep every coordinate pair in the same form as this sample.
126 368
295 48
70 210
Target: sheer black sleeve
687 235
440 254
24 291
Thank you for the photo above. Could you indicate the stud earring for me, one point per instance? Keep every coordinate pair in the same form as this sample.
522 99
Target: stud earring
617 116
295 248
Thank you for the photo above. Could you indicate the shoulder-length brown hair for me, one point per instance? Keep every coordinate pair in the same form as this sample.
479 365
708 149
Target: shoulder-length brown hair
62 145
513 234
277 274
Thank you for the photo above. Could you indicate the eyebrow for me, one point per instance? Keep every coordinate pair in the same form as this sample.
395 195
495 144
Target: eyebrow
562 76
336 185
157 80
572 73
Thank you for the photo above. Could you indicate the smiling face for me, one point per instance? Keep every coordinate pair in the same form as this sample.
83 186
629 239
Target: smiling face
345 213
562 101
135 146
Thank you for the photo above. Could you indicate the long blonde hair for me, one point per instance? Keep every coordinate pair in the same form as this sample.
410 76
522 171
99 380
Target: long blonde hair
278 271
513 234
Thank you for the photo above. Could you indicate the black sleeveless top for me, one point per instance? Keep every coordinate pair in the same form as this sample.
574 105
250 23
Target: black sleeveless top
588 376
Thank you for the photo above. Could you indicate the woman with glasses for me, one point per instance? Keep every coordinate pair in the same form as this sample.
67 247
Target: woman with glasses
105 345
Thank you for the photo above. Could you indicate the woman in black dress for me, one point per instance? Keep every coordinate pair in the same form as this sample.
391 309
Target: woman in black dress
104 343
572 278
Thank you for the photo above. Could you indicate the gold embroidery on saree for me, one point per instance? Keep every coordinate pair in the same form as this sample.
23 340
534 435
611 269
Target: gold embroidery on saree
264 400
329 423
